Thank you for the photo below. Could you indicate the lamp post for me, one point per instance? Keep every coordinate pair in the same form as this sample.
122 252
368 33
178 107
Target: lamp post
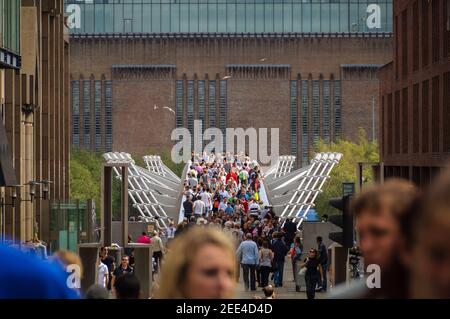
3 205
16 199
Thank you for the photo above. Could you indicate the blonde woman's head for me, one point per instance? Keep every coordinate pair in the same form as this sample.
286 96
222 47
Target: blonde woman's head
201 264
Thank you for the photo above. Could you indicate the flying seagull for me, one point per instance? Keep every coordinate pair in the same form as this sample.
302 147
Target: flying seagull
263 60
168 108
155 107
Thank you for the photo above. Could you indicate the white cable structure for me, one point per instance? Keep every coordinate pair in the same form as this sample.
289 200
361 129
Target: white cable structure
155 165
152 194
296 192
282 167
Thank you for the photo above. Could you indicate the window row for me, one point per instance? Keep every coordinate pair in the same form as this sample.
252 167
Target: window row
412 120
230 16
317 105
201 100
92 115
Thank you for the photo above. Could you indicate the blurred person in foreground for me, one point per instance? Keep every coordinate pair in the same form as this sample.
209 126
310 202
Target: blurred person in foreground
97 292
27 277
200 265
269 293
380 212
127 286
66 259
429 253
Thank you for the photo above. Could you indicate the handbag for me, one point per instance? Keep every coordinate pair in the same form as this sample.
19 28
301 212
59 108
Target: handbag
302 271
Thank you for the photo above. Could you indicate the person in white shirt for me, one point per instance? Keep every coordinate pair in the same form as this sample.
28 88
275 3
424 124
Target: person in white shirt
199 207
224 193
192 181
158 249
206 198
223 204
102 272
170 231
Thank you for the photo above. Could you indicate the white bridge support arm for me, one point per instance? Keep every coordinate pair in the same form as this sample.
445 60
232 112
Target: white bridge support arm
294 193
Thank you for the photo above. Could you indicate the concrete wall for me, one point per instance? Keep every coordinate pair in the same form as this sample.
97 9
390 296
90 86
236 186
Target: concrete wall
313 229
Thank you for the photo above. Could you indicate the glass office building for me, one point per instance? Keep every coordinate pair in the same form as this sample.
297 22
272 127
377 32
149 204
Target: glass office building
229 16
10 33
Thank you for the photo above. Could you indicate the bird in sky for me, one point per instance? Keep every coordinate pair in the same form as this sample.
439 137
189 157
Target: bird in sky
169 109
263 60
226 77
155 107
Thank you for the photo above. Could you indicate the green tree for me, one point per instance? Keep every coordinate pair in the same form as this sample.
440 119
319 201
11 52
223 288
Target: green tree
345 171
85 175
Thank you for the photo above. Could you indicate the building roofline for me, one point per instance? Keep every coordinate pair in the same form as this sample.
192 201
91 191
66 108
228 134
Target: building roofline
286 35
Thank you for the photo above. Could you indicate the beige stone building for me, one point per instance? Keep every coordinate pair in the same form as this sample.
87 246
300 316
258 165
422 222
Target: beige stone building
35 109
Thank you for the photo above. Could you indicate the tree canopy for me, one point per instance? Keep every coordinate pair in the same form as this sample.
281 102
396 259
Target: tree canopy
362 150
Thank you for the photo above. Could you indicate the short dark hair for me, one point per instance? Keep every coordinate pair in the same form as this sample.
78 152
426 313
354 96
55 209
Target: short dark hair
127 287
268 291
319 238
96 292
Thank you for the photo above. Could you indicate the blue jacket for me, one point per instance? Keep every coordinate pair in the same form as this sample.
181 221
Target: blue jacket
247 253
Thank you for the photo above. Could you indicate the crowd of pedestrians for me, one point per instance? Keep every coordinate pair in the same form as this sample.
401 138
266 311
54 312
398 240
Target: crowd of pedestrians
225 192
228 230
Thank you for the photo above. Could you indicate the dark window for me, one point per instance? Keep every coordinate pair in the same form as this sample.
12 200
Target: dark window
390 119
446 28
337 110
294 118
305 122
397 47
405 120
108 116
416 35
76 113
446 124
425 116
201 104
435 31
98 114
435 118
179 102
87 114
416 118
326 111
315 112
223 106
190 109
397 122
425 33
404 50
212 103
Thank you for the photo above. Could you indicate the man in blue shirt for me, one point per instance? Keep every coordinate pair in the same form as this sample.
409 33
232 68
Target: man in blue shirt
248 256
229 210
26 277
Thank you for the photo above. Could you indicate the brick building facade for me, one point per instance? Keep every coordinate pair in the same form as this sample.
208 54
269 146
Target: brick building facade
415 92
308 84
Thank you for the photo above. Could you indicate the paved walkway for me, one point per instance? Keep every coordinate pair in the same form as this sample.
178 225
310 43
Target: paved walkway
285 292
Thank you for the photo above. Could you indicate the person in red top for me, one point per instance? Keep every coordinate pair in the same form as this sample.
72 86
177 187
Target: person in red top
231 175
244 204
255 184
143 239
